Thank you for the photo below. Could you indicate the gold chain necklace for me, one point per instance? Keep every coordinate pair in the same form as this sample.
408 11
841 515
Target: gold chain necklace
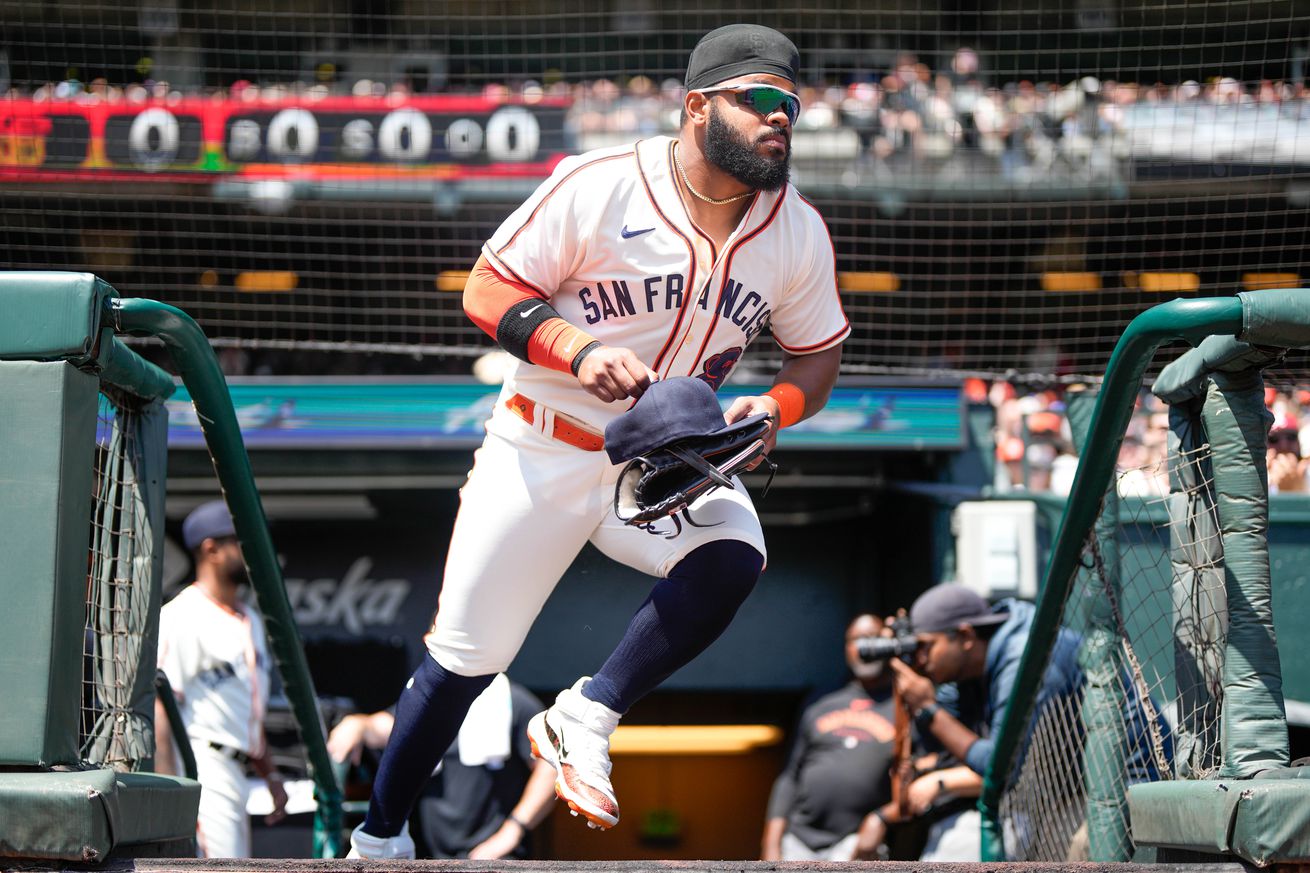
699 196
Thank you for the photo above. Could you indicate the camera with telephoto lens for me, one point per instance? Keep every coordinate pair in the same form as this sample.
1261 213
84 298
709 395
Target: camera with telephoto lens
901 644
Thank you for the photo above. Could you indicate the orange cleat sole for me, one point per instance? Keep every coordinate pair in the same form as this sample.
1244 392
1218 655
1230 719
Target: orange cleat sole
574 809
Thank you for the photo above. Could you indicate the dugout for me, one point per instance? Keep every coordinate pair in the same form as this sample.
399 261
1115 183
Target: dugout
361 521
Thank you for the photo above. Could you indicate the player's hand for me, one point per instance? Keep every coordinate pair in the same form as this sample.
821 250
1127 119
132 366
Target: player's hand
279 795
870 839
916 689
923 792
499 845
745 407
346 741
612 373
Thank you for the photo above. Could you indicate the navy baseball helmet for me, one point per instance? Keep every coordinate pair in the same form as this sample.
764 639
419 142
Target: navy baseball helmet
671 409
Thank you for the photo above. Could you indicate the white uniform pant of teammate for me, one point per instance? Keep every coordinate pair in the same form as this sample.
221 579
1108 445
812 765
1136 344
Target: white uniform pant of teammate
530 504
223 825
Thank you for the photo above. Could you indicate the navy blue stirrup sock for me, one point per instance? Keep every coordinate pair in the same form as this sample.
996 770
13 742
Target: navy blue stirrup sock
428 716
683 615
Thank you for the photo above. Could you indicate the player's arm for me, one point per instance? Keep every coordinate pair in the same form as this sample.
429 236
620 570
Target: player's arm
347 741
165 760
800 389
931 788
771 843
528 327
534 805
781 798
263 765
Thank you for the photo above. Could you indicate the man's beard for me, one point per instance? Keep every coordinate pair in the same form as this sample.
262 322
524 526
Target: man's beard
239 576
728 150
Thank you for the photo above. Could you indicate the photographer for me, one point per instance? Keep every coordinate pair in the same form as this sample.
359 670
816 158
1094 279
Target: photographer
966 664
829 803
961 638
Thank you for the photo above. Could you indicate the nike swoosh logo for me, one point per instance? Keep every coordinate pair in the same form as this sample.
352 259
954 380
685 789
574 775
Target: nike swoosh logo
629 234
528 312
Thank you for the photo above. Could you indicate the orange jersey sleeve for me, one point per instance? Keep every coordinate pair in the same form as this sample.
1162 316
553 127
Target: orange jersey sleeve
521 320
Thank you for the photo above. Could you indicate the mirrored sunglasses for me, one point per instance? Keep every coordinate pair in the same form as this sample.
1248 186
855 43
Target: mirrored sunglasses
764 99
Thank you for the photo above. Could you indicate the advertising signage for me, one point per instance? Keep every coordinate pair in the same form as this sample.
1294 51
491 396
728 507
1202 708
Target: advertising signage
197 139
450 414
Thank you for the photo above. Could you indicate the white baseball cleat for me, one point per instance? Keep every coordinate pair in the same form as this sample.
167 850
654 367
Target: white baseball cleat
573 736
364 845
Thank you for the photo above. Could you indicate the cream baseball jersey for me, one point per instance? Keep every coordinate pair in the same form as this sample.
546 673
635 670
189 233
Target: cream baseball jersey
608 242
217 662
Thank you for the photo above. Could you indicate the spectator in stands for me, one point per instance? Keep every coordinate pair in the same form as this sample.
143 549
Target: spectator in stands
829 803
488 793
1287 468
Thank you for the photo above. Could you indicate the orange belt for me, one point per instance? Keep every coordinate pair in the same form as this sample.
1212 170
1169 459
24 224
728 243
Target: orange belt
562 427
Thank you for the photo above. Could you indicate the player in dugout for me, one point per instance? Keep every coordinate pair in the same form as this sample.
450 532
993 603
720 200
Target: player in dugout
632 271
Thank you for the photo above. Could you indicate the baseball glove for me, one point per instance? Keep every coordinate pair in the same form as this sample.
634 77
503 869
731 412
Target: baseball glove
668 479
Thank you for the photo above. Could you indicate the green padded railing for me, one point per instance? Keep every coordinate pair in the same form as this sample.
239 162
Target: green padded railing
1257 326
1190 320
195 361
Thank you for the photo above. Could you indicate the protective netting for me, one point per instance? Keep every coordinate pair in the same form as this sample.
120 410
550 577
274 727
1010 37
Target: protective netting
1145 624
116 724
1007 184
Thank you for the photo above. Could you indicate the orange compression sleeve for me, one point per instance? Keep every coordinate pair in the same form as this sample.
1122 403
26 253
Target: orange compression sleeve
522 322
558 345
489 295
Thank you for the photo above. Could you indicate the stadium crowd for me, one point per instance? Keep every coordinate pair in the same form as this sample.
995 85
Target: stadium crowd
1035 450
911 111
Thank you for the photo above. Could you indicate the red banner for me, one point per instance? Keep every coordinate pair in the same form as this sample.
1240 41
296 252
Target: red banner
195 139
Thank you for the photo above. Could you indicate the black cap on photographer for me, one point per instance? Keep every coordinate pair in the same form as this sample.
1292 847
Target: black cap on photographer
946 607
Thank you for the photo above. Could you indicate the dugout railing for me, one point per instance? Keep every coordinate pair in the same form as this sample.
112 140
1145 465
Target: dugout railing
1212 776
87 595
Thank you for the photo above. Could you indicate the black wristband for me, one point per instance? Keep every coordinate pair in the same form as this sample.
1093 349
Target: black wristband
923 718
582 353
518 324
518 821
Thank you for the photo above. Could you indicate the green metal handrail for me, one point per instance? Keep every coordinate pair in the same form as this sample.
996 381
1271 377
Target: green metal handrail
1190 320
203 379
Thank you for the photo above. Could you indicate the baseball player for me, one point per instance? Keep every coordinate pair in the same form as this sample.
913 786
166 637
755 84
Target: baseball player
212 648
628 265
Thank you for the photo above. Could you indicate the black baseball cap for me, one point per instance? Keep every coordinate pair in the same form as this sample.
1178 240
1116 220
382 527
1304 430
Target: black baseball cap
670 410
740 50
946 607
207 521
